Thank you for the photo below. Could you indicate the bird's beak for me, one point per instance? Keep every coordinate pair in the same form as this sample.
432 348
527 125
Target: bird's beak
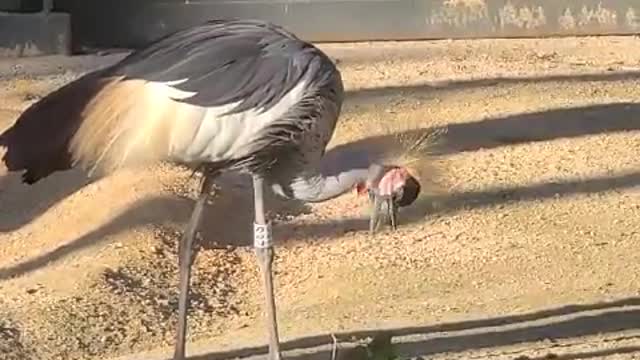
382 208
385 208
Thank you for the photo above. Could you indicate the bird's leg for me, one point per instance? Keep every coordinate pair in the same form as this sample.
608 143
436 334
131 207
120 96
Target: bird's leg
186 256
393 212
383 208
263 244
374 221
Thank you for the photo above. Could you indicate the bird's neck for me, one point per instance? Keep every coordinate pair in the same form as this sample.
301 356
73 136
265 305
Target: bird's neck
336 175
320 187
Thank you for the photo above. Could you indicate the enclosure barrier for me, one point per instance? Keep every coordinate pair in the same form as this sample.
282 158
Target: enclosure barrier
130 24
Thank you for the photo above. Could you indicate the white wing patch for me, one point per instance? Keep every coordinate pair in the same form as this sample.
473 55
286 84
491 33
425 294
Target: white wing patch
175 82
219 137
134 122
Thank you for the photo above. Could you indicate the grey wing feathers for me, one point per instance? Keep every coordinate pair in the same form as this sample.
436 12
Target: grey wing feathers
226 61
104 121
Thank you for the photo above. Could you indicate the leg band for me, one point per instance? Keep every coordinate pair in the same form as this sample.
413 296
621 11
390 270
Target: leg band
262 236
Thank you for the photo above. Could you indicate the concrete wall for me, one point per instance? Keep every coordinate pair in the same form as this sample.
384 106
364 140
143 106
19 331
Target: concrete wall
33 34
132 23
128 23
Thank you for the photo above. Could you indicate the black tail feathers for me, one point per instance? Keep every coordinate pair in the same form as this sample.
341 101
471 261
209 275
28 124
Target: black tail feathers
38 142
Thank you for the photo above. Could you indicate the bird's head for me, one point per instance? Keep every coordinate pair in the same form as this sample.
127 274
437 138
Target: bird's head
389 188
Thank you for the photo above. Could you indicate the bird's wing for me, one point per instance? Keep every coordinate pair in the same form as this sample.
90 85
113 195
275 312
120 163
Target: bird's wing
224 62
191 83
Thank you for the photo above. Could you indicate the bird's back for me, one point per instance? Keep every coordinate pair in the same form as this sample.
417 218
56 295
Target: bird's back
237 92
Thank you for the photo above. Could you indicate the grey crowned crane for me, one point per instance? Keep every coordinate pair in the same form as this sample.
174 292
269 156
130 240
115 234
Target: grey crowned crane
228 95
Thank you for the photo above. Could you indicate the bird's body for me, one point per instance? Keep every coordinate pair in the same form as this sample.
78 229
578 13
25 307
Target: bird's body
242 95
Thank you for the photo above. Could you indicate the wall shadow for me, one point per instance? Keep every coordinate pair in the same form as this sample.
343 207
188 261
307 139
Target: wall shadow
20 204
364 95
598 354
558 324
515 129
447 204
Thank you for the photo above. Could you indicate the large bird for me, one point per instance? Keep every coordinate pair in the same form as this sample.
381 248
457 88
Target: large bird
227 95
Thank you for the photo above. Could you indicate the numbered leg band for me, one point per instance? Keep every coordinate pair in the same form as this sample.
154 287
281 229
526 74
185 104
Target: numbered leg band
262 236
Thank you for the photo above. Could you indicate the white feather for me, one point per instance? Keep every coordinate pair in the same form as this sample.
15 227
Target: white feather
217 137
132 122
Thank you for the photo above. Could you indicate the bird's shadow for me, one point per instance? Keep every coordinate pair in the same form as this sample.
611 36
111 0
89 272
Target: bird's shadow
27 203
228 216
21 204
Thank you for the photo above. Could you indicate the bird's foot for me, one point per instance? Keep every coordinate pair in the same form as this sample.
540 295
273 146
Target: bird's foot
274 355
383 212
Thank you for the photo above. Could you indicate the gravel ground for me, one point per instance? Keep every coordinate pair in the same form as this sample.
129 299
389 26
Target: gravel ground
522 247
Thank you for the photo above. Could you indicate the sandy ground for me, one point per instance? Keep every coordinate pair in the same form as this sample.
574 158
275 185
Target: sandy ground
524 248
